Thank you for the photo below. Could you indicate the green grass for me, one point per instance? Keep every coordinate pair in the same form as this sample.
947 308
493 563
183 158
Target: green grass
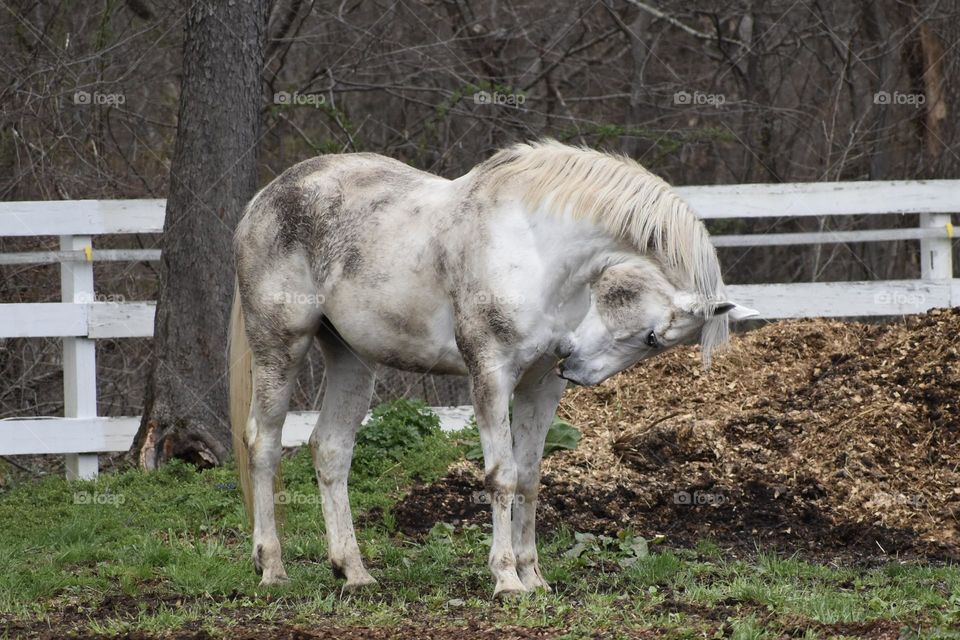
156 552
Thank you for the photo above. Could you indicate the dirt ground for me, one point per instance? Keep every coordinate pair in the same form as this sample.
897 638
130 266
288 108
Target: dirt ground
824 438
876 630
244 625
332 631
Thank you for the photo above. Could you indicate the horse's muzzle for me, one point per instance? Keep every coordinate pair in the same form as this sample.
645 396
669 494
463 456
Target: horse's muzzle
560 372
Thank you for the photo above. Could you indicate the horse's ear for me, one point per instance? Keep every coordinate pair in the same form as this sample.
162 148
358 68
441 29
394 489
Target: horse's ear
695 307
740 312
735 311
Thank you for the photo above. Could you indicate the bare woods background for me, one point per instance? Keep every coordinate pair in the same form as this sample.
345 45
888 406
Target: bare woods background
709 92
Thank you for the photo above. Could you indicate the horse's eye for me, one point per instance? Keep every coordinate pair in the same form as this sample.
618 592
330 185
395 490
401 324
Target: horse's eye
652 341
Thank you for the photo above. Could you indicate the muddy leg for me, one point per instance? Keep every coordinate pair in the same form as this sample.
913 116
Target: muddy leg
534 406
273 383
491 397
346 399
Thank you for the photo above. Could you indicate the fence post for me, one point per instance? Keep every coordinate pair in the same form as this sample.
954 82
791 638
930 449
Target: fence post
79 354
936 258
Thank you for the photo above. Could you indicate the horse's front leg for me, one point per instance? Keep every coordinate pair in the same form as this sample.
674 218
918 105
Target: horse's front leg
491 399
534 407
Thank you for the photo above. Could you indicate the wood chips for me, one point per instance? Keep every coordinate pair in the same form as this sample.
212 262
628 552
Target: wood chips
858 423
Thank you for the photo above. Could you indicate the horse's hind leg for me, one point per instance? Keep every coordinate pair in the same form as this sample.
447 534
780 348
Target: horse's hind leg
349 386
279 339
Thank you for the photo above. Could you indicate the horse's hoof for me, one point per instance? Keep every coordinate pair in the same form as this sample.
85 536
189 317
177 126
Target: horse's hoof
535 582
541 585
509 589
275 579
508 595
363 583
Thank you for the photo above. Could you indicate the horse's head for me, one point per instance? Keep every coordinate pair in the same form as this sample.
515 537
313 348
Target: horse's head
635 313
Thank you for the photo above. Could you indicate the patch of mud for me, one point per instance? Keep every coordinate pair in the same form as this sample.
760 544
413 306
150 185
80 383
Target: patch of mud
765 513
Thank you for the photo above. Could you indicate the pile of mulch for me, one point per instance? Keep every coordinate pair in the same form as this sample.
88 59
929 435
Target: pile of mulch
812 435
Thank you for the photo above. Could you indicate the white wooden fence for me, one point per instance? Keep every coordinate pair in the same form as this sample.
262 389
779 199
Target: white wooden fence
81 317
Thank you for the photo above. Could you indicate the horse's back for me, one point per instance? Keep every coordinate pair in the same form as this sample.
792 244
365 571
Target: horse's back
325 207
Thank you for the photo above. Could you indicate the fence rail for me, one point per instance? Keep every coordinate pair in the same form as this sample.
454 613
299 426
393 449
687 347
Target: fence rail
80 318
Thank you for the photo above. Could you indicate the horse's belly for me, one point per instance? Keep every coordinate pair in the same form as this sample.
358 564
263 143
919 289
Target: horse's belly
403 336
448 362
426 354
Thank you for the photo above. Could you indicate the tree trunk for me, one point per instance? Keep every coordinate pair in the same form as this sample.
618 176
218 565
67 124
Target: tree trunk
640 49
212 175
941 82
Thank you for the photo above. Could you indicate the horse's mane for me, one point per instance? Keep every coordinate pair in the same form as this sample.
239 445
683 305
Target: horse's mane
619 194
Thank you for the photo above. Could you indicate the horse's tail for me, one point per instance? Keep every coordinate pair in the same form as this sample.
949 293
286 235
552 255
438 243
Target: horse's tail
241 393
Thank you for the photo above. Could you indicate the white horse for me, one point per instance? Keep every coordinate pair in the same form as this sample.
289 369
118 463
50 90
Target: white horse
542 265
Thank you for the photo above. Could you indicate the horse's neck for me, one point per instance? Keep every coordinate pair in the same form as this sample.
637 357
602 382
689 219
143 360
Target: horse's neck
575 252
572 251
